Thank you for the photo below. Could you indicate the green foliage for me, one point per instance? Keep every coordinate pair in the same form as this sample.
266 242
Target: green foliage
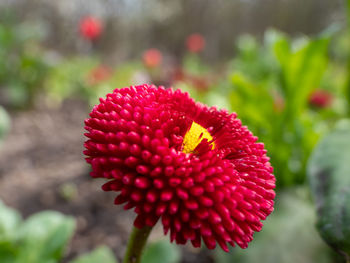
41 238
87 78
288 235
269 89
4 123
22 66
101 254
68 79
161 252
328 172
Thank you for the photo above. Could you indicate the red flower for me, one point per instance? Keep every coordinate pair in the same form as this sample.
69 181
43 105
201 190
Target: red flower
152 57
90 27
196 168
195 43
99 74
320 98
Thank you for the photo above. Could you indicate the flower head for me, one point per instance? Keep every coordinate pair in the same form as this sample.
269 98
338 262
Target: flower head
194 167
90 27
195 43
152 58
320 99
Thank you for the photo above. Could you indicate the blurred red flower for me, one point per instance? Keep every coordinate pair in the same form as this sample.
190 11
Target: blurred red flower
99 74
195 43
90 27
194 167
152 58
320 98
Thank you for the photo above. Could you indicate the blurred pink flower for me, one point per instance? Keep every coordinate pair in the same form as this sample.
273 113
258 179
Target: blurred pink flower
90 27
152 58
320 98
195 43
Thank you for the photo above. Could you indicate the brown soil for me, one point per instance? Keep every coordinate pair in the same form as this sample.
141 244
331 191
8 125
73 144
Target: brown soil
42 167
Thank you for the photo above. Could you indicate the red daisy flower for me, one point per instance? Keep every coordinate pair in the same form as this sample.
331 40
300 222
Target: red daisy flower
195 43
152 58
320 98
90 27
196 168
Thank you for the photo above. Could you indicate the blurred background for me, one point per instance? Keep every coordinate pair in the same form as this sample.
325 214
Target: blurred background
282 65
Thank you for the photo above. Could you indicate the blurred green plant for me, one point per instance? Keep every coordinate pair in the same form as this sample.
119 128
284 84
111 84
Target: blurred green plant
328 172
100 254
43 238
87 78
5 123
161 252
269 89
40 238
22 64
347 33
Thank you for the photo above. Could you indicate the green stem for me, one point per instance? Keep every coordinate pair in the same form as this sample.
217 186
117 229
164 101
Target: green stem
136 243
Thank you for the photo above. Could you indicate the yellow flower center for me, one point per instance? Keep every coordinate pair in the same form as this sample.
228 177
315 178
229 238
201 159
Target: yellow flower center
194 136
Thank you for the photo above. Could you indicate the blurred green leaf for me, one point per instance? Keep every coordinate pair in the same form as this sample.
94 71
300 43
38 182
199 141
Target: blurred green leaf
68 78
10 220
4 124
301 69
43 237
214 98
328 172
161 252
101 254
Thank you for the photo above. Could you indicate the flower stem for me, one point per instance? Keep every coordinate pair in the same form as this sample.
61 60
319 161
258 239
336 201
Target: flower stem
136 244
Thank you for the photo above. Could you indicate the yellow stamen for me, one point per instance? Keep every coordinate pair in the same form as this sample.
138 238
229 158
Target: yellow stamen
194 136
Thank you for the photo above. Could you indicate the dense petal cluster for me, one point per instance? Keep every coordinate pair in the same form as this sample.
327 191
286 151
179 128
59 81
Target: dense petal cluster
194 167
90 27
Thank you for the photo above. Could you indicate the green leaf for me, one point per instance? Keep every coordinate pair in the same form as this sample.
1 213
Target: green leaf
214 98
4 123
10 219
101 254
42 237
328 172
161 252
302 68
